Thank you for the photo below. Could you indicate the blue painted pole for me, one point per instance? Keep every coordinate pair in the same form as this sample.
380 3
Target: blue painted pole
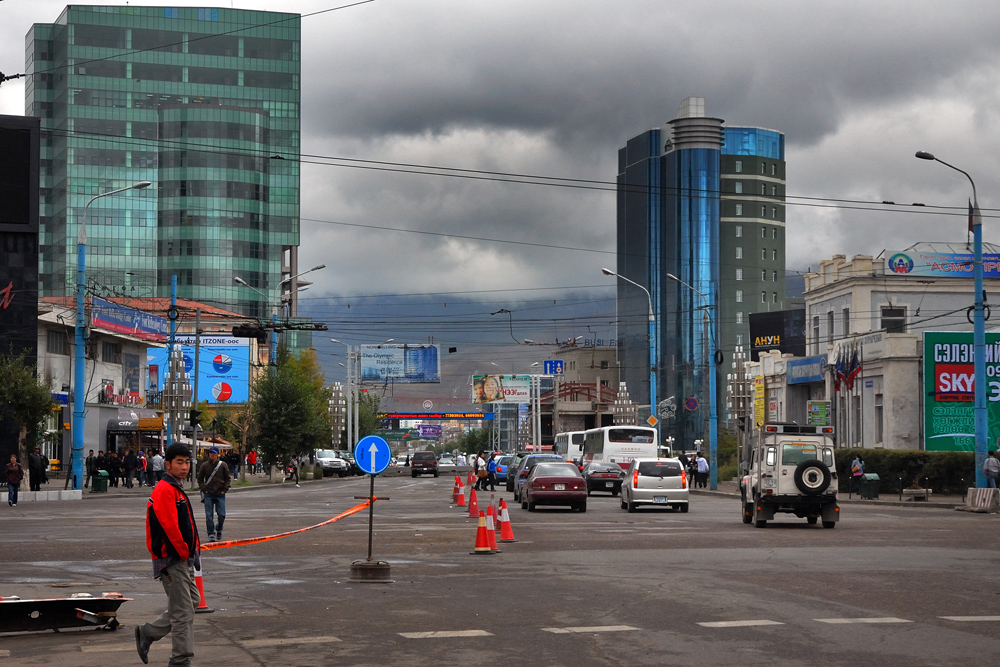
979 342
79 354
713 424
274 341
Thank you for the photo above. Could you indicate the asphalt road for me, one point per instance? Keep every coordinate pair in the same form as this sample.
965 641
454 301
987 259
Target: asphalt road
601 588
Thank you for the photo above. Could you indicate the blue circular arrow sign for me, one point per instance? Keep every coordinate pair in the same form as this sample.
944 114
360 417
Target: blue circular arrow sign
372 454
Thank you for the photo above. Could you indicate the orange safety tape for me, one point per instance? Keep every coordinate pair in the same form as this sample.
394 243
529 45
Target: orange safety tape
268 538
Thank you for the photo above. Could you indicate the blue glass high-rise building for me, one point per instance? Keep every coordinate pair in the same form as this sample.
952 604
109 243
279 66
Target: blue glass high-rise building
687 208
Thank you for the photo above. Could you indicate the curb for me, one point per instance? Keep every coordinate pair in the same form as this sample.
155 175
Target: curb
846 501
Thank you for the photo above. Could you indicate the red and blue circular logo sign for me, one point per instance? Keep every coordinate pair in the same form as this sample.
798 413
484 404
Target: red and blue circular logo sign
222 363
222 391
691 403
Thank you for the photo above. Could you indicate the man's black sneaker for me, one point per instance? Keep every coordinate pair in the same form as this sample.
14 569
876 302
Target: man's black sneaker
142 645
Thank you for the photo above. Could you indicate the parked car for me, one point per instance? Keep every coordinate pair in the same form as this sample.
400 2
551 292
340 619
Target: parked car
503 463
661 482
332 464
424 463
512 467
602 476
349 457
446 461
551 483
526 466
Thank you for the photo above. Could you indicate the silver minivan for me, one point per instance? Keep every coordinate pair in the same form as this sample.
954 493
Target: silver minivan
659 482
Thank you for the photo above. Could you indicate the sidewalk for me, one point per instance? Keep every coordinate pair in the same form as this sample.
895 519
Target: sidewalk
731 489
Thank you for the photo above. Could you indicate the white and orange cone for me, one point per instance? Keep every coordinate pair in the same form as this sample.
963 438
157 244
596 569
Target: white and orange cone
456 492
202 607
473 504
491 535
506 532
482 541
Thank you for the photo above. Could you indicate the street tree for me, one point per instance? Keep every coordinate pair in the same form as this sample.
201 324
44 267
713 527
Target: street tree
23 398
368 407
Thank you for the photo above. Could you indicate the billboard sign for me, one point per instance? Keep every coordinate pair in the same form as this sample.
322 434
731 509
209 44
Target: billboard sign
120 319
810 369
501 389
939 264
949 387
224 367
429 431
783 330
818 413
400 364
758 402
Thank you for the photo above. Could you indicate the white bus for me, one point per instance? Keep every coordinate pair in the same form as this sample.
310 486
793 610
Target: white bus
619 444
570 445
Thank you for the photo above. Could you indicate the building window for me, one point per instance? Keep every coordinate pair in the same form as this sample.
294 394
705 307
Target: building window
774 169
739 339
739 252
774 212
763 297
763 275
739 209
738 185
847 321
878 418
739 317
774 233
111 353
763 167
774 297
739 274
763 210
763 232
774 190
829 326
739 296
738 167
774 255
56 342
774 276
763 188
816 332
605 364
739 231
763 253
894 319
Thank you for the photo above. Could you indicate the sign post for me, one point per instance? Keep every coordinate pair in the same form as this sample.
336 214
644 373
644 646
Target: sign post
372 455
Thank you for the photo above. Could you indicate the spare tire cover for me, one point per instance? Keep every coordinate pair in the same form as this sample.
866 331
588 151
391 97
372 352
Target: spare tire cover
812 477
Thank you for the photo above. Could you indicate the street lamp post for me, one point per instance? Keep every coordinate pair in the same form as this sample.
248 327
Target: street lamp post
652 343
79 356
978 328
713 426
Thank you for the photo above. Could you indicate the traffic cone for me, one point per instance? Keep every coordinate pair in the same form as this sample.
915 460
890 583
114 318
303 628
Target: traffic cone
482 541
468 479
506 532
473 504
491 535
202 607
457 491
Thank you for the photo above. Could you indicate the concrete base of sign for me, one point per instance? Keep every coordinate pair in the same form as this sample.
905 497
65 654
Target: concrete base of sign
370 572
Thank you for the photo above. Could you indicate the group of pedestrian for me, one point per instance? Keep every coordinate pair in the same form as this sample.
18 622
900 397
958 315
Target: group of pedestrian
484 467
127 469
697 469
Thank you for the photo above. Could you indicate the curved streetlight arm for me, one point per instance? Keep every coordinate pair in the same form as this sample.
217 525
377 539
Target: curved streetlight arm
609 272
81 237
678 280
929 156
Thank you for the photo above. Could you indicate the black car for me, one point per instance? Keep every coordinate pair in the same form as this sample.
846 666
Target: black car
602 476
512 467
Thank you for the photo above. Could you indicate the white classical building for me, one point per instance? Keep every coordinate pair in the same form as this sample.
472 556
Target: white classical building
872 318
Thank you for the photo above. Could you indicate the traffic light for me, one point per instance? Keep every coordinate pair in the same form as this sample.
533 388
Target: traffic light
195 418
251 332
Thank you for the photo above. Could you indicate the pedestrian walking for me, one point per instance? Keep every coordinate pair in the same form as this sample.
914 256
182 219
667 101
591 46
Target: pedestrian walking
991 466
702 470
141 471
172 540
90 468
130 461
113 463
214 479
292 471
156 464
491 473
15 473
481 473
857 471
252 460
36 470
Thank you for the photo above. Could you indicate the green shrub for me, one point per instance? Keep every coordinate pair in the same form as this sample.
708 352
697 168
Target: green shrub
942 472
318 472
728 471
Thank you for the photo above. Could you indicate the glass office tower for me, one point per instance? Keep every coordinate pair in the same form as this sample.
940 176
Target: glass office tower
668 223
205 104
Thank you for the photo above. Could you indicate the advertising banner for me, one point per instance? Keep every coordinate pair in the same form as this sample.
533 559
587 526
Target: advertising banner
501 389
224 367
810 369
120 319
758 401
783 330
400 364
429 431
818 413
939 264
949 388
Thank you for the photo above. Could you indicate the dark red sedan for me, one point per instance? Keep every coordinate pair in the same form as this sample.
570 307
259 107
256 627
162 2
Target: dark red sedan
555 484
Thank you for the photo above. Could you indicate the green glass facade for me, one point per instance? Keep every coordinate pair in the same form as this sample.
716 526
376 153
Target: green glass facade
205 104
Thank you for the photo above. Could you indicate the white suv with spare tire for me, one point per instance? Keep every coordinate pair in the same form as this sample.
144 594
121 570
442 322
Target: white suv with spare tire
791 470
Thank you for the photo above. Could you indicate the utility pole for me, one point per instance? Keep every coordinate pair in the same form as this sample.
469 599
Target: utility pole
194 397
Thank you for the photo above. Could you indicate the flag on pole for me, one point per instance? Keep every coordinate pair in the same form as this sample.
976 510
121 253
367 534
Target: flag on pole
854 369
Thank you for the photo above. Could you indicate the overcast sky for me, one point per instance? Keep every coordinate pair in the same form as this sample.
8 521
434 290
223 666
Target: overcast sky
554 88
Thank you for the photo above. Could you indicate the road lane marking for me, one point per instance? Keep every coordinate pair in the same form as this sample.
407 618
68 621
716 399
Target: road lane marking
446 633
844 621
591 628
738 624
4 653
285 641
970 619
107 647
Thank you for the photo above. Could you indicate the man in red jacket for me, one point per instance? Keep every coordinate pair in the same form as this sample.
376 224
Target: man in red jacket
172 540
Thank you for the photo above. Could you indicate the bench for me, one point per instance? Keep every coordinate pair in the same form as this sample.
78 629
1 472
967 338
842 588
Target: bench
917 494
